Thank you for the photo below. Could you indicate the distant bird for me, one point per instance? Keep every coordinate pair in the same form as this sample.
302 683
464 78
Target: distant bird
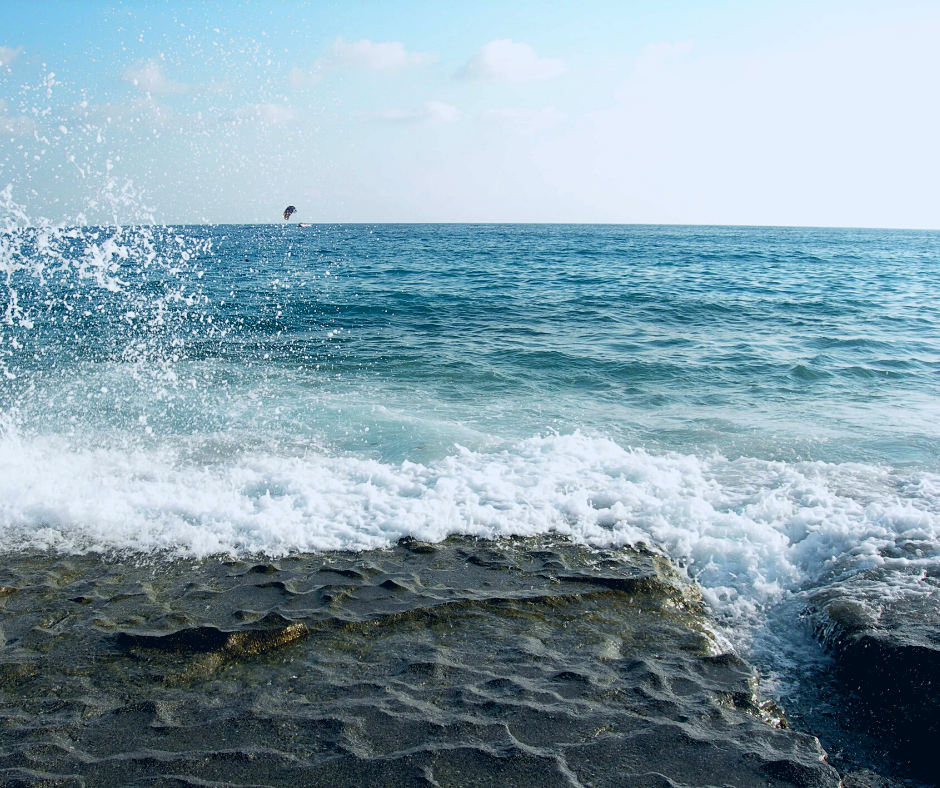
289 211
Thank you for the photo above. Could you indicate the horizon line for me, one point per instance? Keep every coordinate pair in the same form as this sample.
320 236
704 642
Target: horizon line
504 224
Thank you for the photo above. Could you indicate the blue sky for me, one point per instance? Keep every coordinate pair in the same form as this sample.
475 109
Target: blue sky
802 113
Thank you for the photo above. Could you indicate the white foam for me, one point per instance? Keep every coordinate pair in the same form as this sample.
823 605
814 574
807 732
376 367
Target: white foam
750 530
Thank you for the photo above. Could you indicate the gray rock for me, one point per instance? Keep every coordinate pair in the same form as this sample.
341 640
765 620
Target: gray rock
521 662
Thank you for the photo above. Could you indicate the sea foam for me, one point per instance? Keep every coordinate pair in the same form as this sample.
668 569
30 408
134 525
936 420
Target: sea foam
748 530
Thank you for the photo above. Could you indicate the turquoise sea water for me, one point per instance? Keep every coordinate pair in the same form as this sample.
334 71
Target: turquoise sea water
760 403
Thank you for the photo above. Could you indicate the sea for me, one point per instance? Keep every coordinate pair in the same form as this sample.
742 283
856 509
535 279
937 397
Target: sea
758 405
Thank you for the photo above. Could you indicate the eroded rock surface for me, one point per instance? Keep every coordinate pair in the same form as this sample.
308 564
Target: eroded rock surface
525 663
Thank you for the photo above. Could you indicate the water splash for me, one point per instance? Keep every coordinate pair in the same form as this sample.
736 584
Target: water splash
126 290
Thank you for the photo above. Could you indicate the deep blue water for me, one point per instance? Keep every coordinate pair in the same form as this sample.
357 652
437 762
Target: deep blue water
792 344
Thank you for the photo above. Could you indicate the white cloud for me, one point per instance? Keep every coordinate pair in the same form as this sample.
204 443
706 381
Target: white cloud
526 121
817 134
14 127
377 56
300 79
429 113
266 114
503 60
8 55
149 77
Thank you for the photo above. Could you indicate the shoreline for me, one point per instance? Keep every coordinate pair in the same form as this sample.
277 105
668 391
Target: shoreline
532 661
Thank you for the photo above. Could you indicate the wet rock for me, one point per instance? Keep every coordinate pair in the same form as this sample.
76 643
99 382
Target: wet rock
263 569
865 778
414 546
29 778
649 583
522 662
238 643
883 628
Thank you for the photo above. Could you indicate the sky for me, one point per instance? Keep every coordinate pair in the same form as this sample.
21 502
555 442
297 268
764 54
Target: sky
821 113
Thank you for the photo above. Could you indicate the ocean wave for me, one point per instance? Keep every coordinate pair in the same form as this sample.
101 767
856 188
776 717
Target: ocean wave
748 530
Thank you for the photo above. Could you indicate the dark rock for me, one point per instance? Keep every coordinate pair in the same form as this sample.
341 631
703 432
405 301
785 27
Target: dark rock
883 629
28 778
263 569
644 584
243 642
414 546
865 778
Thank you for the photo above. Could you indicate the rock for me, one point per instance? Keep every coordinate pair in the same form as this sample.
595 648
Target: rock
883 629
239 643
528 662
865 778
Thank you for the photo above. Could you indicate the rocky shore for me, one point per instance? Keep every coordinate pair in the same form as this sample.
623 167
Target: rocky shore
523 662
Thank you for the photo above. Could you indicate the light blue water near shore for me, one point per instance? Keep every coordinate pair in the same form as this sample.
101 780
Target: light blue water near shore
762 404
